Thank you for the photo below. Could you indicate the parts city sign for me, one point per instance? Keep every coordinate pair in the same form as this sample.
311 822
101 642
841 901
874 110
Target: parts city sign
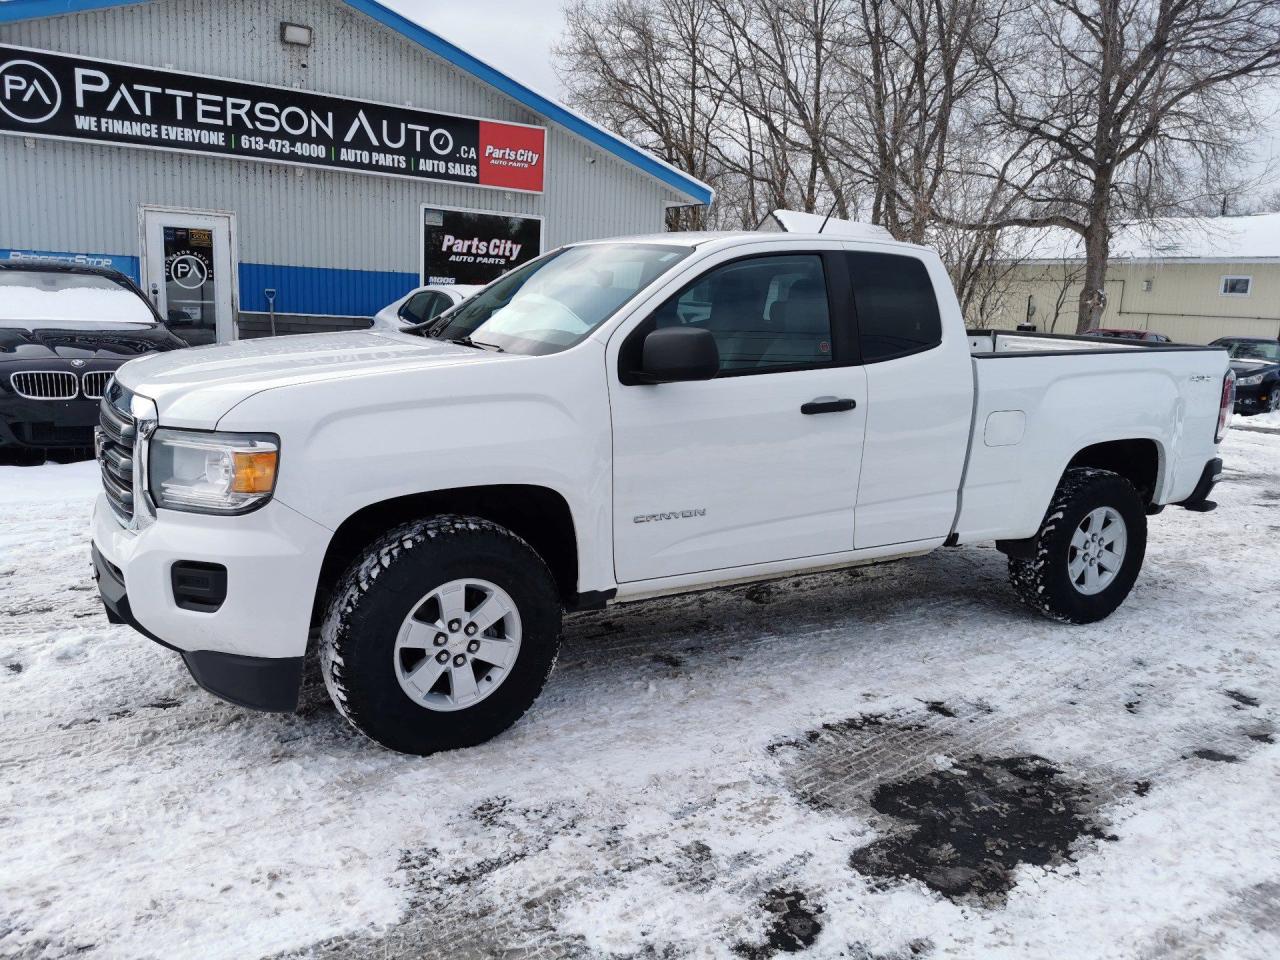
45 94
475 247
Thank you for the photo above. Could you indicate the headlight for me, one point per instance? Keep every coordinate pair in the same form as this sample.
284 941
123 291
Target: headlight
212 472
1250 381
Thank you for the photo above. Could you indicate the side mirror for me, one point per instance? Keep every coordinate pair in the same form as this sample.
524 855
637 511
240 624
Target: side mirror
674 354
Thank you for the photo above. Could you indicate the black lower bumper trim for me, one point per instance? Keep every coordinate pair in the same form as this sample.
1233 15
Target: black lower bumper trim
1200 495
259 683
116 599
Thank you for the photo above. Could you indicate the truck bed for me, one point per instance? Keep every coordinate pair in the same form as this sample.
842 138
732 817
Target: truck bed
1040 399
989 342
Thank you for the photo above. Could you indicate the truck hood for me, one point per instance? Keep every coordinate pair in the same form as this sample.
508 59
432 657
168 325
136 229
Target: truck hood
197 386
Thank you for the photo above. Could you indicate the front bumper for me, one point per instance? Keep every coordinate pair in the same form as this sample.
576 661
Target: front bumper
260 683
250 649
47 424
1255 399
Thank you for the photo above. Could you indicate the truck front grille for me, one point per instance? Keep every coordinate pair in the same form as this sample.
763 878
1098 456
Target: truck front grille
94 383
44 384
115 447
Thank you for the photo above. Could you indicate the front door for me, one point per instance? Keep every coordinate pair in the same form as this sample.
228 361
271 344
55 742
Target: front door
189 269
761 463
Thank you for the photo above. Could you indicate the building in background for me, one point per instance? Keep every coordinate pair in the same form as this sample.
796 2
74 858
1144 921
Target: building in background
1191 279
310 160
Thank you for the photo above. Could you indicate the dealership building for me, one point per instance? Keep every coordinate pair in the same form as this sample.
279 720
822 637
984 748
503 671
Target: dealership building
302 162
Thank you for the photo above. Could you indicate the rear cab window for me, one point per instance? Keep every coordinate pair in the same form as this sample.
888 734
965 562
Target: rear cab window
895 305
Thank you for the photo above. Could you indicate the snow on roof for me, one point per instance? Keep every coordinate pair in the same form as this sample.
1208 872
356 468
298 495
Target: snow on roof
795 221
42 308
1254 237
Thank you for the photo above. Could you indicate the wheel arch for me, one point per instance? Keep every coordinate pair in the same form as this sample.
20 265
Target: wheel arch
1140 460
539 515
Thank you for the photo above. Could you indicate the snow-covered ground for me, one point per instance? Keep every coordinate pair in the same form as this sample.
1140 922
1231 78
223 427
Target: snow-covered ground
891 762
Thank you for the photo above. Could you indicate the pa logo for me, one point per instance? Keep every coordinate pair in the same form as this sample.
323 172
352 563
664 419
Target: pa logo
188 270
29 93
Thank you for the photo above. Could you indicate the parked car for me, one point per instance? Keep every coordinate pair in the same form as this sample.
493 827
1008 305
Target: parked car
421 304
1256 362
615 420
64 330
1119 333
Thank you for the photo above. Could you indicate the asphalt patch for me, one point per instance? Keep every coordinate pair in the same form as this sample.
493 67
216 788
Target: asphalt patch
1216 756
972 825
794 926
1242 698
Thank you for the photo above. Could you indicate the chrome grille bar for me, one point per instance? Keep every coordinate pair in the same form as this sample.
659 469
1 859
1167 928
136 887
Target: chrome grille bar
94 383
115 449
44 384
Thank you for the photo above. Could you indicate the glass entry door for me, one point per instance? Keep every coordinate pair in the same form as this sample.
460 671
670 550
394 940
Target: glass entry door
189 268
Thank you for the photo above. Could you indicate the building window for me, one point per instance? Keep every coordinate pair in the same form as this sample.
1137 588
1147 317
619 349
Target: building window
1236 286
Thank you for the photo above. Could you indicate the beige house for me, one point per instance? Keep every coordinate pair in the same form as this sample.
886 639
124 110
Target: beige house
1192 279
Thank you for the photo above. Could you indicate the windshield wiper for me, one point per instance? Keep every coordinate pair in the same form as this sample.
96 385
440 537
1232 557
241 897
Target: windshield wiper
478 344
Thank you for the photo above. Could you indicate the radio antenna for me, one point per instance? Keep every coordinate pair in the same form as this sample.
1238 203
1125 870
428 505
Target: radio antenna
828 216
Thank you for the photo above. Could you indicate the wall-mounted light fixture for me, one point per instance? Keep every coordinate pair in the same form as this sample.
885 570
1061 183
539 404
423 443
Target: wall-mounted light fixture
298 34
1147 285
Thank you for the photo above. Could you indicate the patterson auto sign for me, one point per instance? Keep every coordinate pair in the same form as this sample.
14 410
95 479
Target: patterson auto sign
45 94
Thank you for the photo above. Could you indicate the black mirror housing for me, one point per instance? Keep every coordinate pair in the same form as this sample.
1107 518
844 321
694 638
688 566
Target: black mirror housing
675 354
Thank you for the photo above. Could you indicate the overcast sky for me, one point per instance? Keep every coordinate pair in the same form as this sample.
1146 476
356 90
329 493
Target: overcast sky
515 37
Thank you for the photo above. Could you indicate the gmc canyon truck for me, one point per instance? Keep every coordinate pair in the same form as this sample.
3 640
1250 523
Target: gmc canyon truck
616 420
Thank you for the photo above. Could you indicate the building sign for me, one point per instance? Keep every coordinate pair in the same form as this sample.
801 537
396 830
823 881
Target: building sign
467 246
44 94
125 264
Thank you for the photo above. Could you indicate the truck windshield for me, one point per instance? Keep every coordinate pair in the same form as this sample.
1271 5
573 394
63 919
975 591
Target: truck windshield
556 301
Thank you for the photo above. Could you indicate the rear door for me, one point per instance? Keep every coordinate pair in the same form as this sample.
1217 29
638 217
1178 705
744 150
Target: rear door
920 390
733 471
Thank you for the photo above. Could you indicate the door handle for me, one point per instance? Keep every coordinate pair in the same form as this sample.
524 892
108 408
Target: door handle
828 405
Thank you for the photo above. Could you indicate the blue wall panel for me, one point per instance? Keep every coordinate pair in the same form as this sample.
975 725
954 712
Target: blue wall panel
321 291
116 261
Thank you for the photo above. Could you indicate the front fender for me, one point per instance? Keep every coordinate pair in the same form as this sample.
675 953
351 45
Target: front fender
538 421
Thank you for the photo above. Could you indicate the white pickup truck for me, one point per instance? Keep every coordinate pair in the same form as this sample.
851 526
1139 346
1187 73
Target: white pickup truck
617 419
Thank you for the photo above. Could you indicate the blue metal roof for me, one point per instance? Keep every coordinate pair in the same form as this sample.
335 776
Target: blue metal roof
695 190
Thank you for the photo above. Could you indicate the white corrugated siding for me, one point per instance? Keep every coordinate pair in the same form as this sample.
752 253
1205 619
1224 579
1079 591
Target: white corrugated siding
72 196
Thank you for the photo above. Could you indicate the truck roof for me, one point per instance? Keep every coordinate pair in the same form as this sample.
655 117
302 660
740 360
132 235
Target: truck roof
726 238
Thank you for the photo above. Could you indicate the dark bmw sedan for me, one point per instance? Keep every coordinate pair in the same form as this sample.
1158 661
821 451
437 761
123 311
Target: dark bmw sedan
64 329
1256 362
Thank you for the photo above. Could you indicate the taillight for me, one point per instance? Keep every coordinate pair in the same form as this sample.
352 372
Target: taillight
1228 404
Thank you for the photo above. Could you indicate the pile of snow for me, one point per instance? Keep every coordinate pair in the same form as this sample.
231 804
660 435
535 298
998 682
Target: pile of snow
1257 421
38 305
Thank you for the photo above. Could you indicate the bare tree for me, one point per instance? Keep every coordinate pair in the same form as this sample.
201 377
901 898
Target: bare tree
641 67
923 67
1115 100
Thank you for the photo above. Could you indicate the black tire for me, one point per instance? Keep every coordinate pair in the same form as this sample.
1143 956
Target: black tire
380 589
1044 581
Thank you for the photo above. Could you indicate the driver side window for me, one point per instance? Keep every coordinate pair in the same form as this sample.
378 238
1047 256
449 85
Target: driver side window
765 313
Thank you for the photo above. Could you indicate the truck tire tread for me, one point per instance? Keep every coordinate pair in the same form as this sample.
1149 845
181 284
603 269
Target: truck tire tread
373 703
1041 581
